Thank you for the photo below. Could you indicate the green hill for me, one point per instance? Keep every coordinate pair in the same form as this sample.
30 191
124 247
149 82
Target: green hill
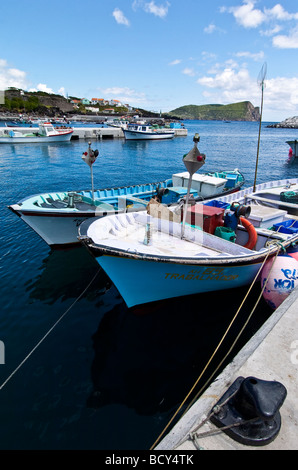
243 111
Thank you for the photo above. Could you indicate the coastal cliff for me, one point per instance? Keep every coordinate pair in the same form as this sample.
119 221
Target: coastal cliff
242 111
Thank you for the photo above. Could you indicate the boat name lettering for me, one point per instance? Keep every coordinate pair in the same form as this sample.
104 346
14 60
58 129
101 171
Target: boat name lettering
289 282
289 274
209 274
284 284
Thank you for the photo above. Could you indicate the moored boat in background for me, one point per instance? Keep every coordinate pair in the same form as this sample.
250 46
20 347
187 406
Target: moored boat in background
55 216
46 133
147 132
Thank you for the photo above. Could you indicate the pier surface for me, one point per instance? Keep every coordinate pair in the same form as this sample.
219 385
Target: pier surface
271 354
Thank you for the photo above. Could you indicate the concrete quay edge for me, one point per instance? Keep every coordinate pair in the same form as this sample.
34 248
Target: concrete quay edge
271 354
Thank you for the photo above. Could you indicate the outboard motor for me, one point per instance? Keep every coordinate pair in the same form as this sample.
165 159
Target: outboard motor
232 218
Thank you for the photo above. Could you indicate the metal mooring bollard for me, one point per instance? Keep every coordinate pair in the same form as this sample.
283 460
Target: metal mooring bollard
251 414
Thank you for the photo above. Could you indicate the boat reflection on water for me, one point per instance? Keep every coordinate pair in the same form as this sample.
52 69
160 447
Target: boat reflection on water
64 274
145 358
148 359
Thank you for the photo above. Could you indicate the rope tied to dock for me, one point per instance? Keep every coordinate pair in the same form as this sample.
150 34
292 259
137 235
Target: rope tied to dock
216 349
48 332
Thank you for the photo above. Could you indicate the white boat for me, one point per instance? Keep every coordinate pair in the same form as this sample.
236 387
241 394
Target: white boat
56 216
46 133
146 132
119 123
151 256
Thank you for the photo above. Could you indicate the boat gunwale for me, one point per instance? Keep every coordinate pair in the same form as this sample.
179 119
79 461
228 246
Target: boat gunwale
237 260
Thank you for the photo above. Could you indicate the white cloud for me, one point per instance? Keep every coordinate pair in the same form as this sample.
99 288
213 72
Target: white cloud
124 94
250 55
188 71
156 10
271 31
279 13
210 28
250 17
62 91
228 79
286 42
44 87
175 62
229 85
151 7
11 77
120 18
246 15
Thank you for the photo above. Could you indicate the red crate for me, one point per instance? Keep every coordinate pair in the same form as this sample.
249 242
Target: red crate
206 217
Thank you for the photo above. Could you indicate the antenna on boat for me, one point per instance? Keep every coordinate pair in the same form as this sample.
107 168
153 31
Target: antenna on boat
261 80
89 157
193 160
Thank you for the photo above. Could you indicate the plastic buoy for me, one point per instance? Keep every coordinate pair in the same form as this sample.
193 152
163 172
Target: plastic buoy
280 280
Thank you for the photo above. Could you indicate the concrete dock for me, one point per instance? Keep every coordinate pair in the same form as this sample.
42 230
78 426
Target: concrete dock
270 355
98 133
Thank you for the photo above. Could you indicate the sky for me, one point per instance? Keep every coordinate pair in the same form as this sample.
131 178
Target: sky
155 54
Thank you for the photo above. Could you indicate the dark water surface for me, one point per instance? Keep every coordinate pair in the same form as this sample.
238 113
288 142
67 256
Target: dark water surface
105 377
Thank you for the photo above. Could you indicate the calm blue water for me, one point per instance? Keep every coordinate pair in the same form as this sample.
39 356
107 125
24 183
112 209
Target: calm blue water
106 377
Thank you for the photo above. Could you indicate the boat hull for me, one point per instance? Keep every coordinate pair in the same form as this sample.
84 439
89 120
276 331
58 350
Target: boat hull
142 281
55 230
36 139
135 135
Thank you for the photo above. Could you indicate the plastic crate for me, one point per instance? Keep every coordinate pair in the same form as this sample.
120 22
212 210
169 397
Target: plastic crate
287 226
221 204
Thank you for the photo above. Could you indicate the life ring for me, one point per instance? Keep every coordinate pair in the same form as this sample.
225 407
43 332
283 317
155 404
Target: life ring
252 234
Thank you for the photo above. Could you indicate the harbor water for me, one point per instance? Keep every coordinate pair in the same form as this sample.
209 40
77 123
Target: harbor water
78 369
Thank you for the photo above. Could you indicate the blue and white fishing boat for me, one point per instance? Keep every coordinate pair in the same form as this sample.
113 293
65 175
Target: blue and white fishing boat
147 132
148 259
167 252
56 216
45 133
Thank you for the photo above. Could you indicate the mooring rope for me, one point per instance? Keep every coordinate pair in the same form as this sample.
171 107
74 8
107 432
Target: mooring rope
48 332
216 349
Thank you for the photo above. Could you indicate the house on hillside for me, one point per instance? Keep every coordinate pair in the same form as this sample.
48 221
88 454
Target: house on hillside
116 103
99 101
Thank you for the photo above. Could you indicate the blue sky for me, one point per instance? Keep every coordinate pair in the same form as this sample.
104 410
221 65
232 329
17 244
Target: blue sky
158 54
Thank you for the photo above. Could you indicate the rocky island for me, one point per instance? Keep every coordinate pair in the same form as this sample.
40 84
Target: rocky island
289 123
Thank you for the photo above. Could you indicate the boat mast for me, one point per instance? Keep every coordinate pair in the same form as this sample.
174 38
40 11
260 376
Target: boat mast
261 79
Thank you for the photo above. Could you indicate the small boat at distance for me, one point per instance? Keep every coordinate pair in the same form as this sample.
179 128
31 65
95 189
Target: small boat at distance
147 132
56 216
46 133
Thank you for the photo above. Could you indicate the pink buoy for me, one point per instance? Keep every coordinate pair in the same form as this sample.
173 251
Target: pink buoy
281 280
